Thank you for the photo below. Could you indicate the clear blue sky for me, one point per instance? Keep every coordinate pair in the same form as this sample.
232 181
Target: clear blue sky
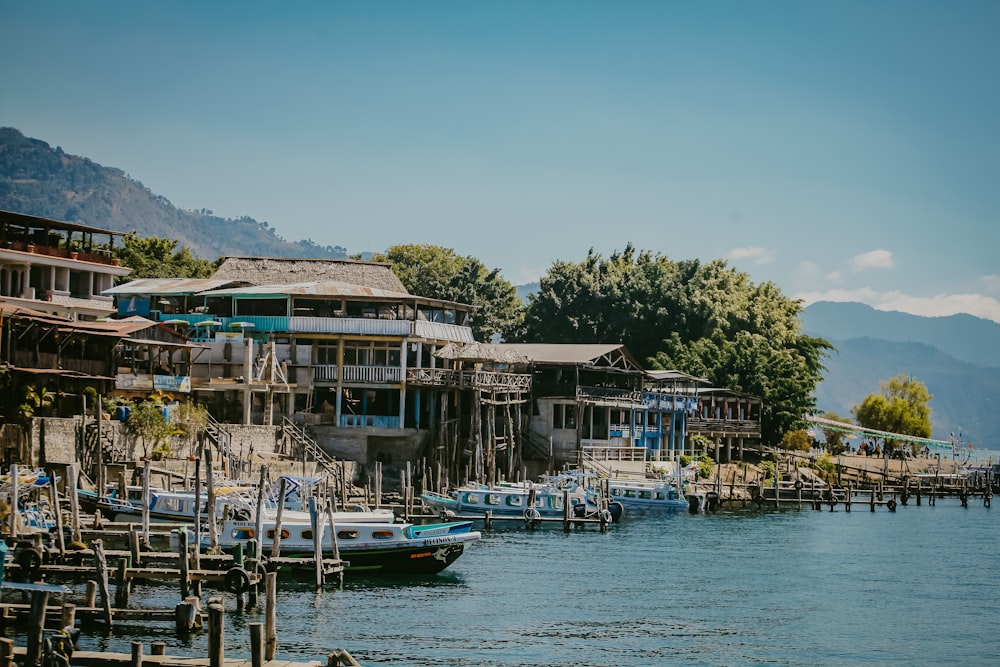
845 150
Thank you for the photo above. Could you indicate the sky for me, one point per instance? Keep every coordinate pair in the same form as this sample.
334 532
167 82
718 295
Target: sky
843 150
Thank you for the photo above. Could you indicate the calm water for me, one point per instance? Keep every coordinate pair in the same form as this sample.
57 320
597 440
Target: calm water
918 587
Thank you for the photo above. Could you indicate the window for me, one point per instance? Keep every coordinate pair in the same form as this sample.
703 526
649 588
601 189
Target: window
382 534
348 535
563 415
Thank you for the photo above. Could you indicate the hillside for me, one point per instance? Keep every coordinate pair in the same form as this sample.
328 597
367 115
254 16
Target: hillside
956 357
964 337
37 179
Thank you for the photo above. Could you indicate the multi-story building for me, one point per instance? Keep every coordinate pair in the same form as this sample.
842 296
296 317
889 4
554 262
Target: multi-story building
59 268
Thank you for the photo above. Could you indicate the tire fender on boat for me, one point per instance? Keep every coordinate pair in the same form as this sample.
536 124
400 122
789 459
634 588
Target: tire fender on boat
606 516
532 514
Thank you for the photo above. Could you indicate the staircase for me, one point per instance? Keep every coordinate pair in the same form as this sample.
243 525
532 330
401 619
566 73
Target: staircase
311 448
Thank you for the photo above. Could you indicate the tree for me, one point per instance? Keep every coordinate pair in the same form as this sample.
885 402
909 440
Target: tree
899 407
193 420
156 257
440 273
797 440
147 424
704 319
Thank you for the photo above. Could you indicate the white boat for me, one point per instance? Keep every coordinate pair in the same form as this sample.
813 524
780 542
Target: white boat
647 494
180 507
525 502
376 547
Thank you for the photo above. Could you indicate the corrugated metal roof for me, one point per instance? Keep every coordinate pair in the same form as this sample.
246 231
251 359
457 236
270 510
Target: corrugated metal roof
171 286
560 353
675 375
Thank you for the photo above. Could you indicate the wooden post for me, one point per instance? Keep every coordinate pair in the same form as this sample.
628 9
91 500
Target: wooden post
15 493
145 502
256 645
122 584
74 501
136 654
276 539
216 633
90 594
270 613
36 627
135 547
567 511
196 555
317 532
213 535
102 573
68 619
54 493
182 558
259 513
158 648
7 652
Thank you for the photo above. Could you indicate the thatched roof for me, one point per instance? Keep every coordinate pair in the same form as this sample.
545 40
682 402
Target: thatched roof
480 352
283 271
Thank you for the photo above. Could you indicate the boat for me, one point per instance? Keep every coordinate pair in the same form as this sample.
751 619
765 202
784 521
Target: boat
167 506
528 501
647 494
374 547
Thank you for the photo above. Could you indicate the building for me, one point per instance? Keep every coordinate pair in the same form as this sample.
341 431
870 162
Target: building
59 268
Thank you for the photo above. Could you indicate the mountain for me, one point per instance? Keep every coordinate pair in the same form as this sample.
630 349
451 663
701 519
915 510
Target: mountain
36 179
964 337
954 356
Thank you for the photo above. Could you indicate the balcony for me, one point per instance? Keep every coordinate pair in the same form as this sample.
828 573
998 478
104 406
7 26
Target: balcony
358 374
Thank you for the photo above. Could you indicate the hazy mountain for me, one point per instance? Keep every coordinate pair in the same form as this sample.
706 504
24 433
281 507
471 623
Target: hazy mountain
964 337
36 179
954 356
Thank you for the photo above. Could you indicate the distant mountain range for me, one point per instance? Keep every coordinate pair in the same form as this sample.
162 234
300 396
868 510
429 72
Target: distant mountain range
36 179
957 357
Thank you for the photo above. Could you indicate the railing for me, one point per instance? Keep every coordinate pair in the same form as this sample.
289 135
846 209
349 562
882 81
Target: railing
310 447
442 377
610 396
372 374
615 453
372 421
747 426
325 373
350 325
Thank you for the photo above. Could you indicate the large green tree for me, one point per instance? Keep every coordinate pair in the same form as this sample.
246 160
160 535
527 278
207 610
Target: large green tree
706 319
899 407
440 273
156 257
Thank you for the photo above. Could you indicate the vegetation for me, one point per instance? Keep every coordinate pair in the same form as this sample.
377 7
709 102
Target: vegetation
38 400
440 273
155 257
717 324
900 407
797 440
192 421
147 426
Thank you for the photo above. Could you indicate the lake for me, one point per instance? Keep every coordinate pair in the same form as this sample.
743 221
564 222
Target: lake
789 587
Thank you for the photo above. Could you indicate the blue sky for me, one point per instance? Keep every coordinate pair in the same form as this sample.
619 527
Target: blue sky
843 150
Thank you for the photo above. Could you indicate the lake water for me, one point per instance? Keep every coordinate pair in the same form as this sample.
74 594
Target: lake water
789 587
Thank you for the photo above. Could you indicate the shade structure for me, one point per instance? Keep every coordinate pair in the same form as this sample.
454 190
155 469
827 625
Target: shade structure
241 325
209 323
176 322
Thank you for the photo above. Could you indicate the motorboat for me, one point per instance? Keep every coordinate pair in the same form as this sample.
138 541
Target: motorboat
528 501
375 547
